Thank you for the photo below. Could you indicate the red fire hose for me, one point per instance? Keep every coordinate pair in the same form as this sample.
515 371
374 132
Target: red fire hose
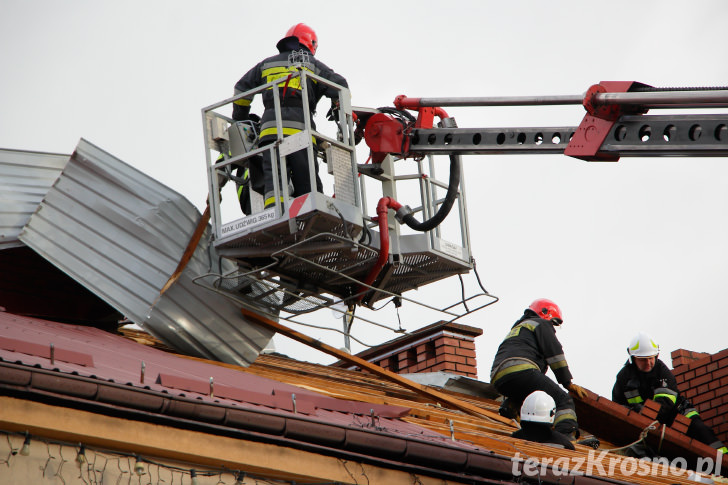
384 204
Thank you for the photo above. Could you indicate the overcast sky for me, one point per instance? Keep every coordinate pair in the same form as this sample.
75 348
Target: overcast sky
621 247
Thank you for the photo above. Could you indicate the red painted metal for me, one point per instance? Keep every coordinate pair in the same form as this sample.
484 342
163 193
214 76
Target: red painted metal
296 205
426 117
597 123
384 134
55 353
404 102
427 114
384 204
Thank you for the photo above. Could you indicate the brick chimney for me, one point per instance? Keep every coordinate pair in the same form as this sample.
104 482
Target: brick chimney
442 346
703 378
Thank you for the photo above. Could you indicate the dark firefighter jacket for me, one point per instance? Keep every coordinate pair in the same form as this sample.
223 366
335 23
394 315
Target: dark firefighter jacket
531 344
542 433
276 68
633 387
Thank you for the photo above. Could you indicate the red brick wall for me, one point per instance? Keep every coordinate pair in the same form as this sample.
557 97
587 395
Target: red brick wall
703 378
444 352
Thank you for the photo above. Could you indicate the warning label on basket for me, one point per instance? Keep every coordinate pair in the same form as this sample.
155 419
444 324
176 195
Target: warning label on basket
451 249
248 222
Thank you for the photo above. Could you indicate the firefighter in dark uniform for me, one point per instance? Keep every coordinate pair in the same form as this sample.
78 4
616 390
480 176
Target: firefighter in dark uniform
645 376
299 38
537 419
521 362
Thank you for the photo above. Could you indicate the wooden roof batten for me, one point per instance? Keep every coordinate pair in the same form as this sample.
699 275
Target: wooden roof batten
437 396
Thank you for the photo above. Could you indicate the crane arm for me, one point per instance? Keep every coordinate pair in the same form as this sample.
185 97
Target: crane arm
615 126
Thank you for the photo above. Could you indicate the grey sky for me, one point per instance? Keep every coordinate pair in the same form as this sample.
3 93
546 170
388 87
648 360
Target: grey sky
640 244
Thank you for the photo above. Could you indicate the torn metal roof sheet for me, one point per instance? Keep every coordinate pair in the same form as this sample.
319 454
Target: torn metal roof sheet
25 177
121 234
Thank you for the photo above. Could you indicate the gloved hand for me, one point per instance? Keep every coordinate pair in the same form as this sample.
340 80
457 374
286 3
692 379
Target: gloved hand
667 413
333 113
578 390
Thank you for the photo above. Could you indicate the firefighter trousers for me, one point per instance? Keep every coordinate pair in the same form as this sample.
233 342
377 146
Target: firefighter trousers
518 385
297 172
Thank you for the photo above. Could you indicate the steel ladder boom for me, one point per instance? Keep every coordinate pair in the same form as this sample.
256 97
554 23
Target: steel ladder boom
630 136
615 125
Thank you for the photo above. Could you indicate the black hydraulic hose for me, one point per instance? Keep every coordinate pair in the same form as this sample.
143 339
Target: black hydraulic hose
452 191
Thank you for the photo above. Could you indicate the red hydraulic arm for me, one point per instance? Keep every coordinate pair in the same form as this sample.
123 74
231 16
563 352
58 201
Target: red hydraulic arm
615 125
597 123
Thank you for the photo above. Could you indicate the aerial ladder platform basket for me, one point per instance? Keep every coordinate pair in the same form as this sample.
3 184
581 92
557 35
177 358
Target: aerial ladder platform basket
322 249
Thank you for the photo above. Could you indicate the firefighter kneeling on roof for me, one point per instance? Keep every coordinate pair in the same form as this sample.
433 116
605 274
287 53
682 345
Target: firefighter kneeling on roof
644 376
520 366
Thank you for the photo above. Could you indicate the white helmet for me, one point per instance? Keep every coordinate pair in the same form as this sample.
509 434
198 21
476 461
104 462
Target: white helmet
538 407
642 345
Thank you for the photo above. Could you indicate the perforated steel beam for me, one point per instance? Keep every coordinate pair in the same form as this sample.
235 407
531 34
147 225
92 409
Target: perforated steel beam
665 135
630 135
491 141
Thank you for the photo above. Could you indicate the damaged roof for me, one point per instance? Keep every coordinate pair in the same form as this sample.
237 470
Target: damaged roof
341 412
25 177
120 234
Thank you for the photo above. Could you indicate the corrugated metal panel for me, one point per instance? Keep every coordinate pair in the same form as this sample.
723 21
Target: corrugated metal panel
121 234
25 177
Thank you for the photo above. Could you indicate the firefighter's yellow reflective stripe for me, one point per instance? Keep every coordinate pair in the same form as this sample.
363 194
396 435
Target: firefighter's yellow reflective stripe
286 132
275 73
271 200
243 102
723 450
635 400
666 393
557 361
221 157
528 324
563 414
279 71
673 399
514 368
246 176
691 414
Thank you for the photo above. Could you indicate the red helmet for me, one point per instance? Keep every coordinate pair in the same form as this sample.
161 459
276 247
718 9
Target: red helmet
306 36
547 310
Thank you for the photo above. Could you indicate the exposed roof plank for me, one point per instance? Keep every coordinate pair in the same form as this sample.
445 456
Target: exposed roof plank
375 369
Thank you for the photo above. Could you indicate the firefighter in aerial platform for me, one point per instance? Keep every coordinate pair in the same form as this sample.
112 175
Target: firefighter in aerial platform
521 362
644 376
300 45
